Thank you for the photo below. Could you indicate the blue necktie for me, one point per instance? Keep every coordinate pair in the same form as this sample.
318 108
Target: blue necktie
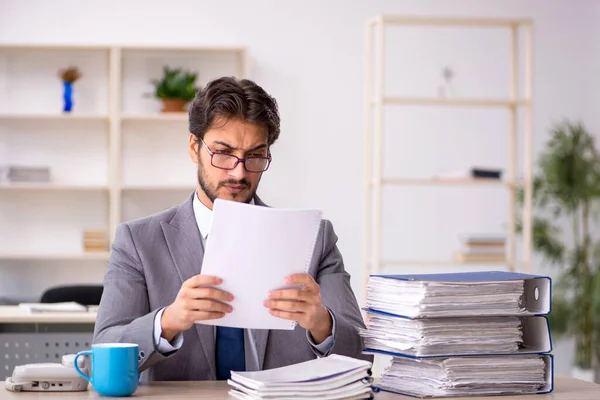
230 351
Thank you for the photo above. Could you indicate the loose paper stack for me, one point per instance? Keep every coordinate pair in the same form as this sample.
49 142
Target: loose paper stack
329 378
427 337
426 299
461 334
463 376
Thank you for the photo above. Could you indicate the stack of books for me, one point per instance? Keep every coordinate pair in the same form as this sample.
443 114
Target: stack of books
328 378
23 174
94 241
472 173
482 248
483 333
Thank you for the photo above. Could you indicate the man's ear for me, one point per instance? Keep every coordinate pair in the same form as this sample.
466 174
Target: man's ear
193 148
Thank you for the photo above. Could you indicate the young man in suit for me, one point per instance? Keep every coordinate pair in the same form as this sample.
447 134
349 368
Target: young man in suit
154 289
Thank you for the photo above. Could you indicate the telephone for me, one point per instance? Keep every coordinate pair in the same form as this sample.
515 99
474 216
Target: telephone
48 377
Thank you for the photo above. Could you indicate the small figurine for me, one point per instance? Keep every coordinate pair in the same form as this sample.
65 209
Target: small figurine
447 90
69 76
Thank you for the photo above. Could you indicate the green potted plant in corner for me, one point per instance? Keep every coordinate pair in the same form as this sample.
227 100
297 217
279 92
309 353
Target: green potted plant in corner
175 89
566 195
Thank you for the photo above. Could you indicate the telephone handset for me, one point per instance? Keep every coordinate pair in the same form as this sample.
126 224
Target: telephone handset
48 377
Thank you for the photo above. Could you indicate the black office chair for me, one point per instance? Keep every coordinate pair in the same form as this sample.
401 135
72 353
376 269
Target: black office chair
87 295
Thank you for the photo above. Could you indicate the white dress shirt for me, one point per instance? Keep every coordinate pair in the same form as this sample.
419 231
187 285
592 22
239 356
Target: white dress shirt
204 220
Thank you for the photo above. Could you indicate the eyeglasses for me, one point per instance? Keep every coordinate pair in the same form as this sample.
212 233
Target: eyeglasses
229 161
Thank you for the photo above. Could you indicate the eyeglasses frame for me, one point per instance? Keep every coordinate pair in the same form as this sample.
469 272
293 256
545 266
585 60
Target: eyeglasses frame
238 160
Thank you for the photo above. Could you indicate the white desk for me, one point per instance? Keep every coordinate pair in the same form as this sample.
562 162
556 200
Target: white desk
27 337
566 389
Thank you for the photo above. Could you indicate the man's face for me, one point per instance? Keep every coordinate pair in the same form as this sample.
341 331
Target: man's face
235 137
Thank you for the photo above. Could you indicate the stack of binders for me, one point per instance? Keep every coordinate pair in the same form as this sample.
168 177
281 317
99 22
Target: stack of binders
461 334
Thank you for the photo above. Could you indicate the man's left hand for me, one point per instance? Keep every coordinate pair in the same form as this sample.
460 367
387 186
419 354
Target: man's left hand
303 306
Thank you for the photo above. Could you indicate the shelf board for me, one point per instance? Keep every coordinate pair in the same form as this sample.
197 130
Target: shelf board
53 47
157 188
192 49
433 101
444 182
436 263
99 256
51 187
125 48
167 116
24 117
452 21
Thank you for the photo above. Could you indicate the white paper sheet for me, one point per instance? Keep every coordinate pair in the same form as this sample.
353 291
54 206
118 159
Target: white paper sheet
253 248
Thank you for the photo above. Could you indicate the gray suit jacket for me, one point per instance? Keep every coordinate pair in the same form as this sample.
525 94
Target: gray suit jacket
153 256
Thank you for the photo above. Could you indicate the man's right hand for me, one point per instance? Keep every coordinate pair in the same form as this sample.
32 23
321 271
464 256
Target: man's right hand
195 302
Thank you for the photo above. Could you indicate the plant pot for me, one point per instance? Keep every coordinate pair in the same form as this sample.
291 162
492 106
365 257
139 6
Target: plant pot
584 374
173 105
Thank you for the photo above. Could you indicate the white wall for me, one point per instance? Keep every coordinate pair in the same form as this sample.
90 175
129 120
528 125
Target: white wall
309 55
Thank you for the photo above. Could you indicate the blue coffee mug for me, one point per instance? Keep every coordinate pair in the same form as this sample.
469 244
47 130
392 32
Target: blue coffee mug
114 368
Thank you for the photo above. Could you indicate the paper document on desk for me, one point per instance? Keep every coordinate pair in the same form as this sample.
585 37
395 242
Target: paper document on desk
69 306
253 248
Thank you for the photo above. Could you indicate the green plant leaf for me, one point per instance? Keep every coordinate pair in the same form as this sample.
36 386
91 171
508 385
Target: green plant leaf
175 84
566 190
560 317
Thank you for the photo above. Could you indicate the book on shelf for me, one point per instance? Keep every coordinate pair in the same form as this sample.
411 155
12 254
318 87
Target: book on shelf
24 174
482 248
458 334
95 241
479 239
483 258
472 173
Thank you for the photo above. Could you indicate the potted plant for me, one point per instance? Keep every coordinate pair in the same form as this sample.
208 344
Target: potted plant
566 194
175 89
68 76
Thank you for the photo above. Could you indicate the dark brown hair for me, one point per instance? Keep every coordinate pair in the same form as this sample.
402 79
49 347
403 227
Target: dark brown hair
229 98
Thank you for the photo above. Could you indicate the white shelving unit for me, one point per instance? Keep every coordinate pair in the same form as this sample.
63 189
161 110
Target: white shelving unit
377 100
115 157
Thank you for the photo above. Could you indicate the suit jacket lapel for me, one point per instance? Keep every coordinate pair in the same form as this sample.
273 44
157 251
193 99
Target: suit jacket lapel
185 245
261 336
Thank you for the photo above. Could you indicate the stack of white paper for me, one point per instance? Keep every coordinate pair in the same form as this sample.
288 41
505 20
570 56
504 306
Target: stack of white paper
463 376
329 378
418 299
447 336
